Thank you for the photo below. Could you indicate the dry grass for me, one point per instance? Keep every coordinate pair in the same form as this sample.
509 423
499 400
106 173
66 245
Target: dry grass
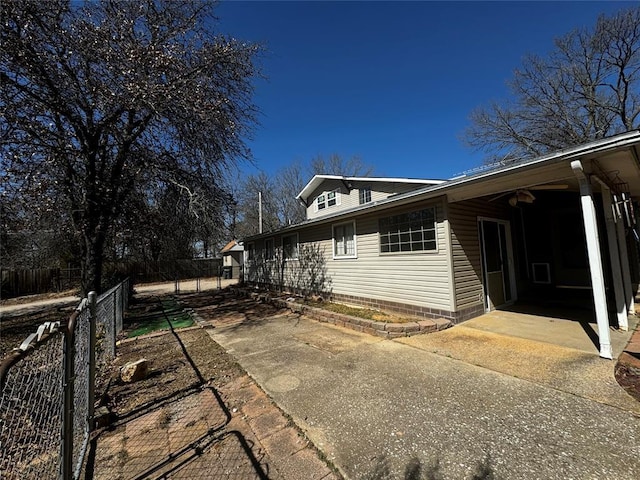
38 297
359 312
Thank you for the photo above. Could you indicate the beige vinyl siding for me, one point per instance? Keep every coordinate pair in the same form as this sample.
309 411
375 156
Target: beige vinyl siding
465 247
416 278
327 186
351 198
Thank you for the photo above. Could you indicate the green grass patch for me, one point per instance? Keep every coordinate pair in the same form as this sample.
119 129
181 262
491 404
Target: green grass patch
147 323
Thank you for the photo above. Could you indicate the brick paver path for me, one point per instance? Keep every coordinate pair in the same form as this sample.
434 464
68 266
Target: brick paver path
234 433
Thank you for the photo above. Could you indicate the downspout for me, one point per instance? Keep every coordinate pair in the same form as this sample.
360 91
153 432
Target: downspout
595 260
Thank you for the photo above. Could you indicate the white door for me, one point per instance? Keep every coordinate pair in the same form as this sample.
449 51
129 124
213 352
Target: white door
497 263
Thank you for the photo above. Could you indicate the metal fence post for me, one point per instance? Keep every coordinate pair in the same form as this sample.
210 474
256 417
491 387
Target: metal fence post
125 299
114 319
122 295
92 359
118 301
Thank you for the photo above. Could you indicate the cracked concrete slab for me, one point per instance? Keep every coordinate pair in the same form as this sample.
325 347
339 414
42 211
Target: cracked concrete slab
384 409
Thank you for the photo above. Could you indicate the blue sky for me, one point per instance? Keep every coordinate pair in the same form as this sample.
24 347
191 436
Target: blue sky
391 82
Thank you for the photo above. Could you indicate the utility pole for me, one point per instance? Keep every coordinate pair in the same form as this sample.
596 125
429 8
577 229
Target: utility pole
260 212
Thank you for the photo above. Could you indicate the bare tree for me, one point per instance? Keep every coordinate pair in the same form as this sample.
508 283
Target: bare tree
27 242
335 164
289 181
101 101
587 88
248 195
279 205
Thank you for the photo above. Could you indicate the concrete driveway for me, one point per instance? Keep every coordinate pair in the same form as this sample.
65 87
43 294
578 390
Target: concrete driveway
384 409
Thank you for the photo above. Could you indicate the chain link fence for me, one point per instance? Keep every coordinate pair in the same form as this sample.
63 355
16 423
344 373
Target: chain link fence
31 409
47 389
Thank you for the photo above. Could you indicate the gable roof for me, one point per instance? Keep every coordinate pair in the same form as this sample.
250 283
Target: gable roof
317 180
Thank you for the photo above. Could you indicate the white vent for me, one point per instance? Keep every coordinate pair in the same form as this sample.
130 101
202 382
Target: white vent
541 273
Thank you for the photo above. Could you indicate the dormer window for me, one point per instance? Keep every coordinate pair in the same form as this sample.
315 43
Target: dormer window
327 199
365 195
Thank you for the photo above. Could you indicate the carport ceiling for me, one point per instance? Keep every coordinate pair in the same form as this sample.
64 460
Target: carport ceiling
617 166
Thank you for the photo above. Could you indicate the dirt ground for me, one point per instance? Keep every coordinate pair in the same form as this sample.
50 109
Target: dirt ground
174 408
627 374
171 372
197 414
36 298
15 327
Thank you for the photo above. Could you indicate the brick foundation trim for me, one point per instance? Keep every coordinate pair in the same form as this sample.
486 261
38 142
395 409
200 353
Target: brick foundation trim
470 312
396 307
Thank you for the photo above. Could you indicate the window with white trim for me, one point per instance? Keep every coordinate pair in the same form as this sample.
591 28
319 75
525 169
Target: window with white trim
327 199
290 246
409 232
365 195
344 240
269 251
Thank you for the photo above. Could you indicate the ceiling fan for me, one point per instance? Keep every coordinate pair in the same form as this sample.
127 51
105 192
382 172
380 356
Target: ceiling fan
524 195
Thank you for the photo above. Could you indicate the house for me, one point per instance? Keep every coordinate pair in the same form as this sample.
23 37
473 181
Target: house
558 228
232 259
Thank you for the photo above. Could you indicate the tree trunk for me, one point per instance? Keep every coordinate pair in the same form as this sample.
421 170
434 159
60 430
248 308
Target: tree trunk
92 259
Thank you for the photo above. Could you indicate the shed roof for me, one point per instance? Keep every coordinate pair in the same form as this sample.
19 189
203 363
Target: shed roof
232 246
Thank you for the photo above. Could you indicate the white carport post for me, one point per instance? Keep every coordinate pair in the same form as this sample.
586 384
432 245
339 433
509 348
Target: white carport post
624 261
614 256
595 261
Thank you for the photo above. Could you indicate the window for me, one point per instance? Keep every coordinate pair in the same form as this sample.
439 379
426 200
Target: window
365 195
268 249
250 251
327 199
409 232
344 240
332 198
290 247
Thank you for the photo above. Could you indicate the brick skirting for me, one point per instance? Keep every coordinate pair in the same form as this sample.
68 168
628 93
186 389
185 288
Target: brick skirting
469 313
412 310
395 307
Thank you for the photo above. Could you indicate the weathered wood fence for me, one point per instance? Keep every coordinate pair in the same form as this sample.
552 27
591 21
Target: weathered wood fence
165 271
16 283
41 280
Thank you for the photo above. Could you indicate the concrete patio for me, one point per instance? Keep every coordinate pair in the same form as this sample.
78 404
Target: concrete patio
565 327
456 403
